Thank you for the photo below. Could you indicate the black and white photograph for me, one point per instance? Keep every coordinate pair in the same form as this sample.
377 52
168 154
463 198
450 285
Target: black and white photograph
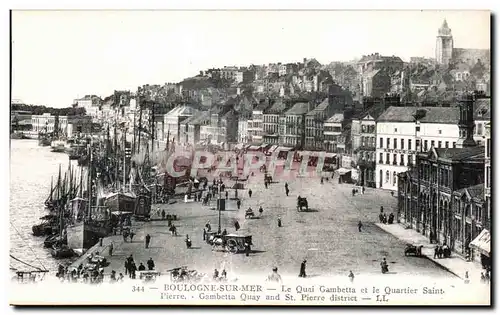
250 157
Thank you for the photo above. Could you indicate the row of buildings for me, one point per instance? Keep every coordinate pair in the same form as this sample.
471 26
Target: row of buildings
447 194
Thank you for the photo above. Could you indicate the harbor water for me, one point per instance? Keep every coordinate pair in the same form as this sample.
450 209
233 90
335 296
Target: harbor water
31 169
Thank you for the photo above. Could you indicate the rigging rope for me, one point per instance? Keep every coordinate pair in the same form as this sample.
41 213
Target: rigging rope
36 257
23 262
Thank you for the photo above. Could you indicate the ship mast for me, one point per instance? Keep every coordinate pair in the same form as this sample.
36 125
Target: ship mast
115 153
89 183
124 156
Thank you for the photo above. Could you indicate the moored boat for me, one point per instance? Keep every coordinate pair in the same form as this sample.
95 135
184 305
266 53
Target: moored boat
60 251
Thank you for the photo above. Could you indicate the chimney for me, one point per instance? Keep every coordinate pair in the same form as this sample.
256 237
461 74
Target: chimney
466 122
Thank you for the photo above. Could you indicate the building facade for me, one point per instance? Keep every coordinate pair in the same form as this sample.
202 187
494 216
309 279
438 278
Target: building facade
271 122
293 126
404 131
46 123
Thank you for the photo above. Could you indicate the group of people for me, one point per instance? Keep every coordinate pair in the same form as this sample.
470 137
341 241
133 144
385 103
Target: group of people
442 251
131 267
383 217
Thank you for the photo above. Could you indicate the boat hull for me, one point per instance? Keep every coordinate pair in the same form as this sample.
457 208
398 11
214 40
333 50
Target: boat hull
82 236
120 202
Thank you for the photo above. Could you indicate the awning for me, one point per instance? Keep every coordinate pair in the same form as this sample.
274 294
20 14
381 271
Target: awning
253 147
264 146
272 148
343 171
119 213
283 149
330 155
482 242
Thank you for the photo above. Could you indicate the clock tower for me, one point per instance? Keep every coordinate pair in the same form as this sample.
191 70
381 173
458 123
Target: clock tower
444 45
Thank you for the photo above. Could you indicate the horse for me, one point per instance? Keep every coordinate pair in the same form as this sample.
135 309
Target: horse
217 242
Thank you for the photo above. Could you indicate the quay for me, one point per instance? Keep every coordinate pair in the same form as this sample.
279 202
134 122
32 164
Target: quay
326 236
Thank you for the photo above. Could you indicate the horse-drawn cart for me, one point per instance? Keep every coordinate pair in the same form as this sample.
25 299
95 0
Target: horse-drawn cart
302 204
232 243
249 213
413 250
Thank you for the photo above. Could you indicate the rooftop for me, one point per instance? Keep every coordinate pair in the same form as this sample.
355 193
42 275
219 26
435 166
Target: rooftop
442 115
337 118
321 107
460 154
482 109
298 109
476 191
181 110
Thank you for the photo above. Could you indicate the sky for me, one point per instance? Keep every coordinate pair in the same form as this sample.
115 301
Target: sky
58 56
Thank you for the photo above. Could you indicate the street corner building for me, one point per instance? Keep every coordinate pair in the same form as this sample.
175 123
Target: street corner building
445 195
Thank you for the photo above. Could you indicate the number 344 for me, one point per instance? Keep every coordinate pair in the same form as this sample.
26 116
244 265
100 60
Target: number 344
137 289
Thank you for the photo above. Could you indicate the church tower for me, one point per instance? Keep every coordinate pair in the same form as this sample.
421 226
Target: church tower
444 44
466 122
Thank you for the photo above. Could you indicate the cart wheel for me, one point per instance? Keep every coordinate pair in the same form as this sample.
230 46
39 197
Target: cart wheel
232 246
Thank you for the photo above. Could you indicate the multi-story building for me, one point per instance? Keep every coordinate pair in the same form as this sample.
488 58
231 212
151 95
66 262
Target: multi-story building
190 129
332 130
243 130
442 196
364 136
376 83
402 131
482 116
292 125
47 123
315 125
271 123
172 122
91 104
255 126
232 73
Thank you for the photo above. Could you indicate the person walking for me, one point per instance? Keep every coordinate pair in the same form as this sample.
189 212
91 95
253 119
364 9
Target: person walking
351 276
204 234
151 264
131 235
148 240
163 214
360 225
247 249
260 211
236 226
250 193
274 277
302 273
111 249
238 204
279 222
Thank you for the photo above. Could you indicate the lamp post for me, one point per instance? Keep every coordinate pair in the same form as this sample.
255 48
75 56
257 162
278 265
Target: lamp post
219 230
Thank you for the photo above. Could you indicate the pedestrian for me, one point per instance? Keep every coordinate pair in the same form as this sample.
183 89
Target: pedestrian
133 269
227 194
216 272
238 204
360 225
141 267
127 266
302 273
131 235
440 251
381 209
436 251
204 234
250 193
236 226
274 277
265 183
224 274
353 192
466 278
483 278
163 214
208 226
247 249
148 240
279 222
363 190
287 191
322 180
120 277
351 276
111 249
260 210
151 264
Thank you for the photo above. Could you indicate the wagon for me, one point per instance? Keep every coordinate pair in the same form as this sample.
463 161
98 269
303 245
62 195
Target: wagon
302 203
233 243
413 250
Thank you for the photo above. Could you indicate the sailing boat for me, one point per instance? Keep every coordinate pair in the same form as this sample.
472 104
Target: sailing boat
60 249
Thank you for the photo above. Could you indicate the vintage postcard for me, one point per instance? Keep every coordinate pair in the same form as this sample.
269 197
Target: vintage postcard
250 158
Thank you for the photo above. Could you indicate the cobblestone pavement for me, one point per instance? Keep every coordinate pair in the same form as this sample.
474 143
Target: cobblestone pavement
327 236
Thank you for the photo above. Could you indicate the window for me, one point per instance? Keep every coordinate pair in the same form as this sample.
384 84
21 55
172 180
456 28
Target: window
395 143
432 143
388 143
402 161
387 158
394 159
394 179
363 128
425 145
417 145
417 129
381 158
381 143
440 131
395 129
409 144
479 129
402 144
454 145
387 176
439 144
446 144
